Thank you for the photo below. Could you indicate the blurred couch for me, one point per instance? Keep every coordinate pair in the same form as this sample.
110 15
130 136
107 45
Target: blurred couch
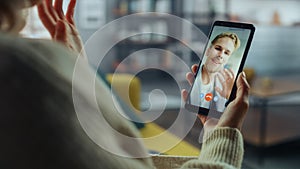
128 92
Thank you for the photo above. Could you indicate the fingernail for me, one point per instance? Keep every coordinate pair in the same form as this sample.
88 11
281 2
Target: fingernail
244 74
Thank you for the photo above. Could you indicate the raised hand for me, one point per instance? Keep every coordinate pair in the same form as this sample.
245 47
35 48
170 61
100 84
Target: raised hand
226 78
61 26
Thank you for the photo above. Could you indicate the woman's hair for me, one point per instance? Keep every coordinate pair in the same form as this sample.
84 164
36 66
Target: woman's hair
11 13
8 14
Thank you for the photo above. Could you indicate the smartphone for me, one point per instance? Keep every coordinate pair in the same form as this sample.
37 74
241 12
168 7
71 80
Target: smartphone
223 59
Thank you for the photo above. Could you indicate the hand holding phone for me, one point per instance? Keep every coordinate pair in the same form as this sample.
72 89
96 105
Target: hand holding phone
223 59
234 114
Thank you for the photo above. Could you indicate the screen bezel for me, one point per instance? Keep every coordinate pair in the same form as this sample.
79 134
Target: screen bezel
205 111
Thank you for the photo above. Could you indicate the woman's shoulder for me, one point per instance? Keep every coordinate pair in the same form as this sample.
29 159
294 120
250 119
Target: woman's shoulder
43 46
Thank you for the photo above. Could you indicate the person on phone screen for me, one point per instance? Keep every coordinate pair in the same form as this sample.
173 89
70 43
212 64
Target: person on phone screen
214 81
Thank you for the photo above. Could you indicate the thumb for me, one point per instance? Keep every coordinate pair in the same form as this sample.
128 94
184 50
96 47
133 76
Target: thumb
243 88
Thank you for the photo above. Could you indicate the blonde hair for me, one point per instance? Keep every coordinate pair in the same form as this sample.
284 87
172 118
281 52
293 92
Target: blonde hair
11 13
8 15
233 36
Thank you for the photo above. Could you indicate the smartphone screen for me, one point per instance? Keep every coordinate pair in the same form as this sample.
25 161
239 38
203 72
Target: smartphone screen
223 58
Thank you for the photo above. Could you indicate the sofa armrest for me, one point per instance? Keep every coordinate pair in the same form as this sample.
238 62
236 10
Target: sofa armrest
182 148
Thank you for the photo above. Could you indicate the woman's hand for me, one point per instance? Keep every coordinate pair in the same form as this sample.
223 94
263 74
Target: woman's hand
61 26
235 112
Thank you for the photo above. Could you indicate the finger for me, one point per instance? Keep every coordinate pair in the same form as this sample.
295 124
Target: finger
58 8
190 78
221 79
184 94
74 30
229 73
194 68
224 74
51 10
46 18
70 12
202 118
61 32
243 88
218 90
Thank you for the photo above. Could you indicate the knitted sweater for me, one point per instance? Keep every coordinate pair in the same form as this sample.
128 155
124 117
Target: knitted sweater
222 149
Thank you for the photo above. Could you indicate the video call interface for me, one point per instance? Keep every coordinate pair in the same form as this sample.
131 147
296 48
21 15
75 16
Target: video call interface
205 95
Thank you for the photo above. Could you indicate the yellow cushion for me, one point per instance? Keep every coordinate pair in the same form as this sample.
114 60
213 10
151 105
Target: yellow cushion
127 86
183 148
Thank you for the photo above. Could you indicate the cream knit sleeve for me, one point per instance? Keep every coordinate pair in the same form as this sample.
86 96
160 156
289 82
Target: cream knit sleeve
222 149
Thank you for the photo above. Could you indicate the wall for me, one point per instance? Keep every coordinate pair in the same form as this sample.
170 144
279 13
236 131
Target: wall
262 11
275 50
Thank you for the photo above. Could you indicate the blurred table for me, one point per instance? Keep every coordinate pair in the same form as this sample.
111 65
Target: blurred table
268 87
265 89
